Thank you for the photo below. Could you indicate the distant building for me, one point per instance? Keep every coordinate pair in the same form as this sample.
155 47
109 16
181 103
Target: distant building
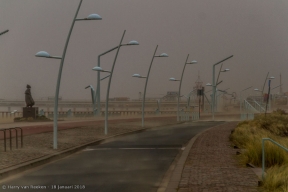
170 96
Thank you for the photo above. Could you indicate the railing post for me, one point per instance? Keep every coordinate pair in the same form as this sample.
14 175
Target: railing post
263 158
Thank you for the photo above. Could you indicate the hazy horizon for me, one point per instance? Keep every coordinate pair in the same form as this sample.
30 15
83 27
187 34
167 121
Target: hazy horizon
252 31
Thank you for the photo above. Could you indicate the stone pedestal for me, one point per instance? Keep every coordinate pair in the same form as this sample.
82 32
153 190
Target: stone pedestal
30 112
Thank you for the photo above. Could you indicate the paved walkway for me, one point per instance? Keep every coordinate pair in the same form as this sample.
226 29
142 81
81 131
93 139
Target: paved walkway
212 165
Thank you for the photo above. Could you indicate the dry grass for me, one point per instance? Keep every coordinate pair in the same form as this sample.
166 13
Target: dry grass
249 134
276 179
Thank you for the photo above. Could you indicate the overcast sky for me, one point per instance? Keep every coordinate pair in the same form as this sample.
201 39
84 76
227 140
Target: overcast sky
254 31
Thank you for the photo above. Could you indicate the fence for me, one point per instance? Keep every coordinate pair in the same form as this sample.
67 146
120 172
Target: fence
185 116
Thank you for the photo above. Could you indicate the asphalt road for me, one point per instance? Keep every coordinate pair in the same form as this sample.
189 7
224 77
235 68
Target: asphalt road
135 162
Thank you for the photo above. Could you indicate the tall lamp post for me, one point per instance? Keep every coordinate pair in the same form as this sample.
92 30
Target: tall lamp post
139 76
214 85
110 78
47 55
173 79
98 100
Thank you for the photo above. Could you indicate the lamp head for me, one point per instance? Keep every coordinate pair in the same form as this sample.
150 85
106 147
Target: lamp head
94 17
163 55
97 69
193 62
172 79
42 54
208 84
133 43
136 75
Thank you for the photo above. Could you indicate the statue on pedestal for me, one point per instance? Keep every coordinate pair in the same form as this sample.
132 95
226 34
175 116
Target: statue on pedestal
28 97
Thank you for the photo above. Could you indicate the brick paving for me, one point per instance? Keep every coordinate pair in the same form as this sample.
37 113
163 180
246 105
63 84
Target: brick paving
211 165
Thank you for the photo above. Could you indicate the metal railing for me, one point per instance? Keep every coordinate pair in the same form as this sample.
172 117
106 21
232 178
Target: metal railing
248 111
258 107
263 152
10 136
185 116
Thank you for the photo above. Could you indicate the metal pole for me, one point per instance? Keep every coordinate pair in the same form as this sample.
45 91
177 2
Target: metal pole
59 79
109 83
180 87
98 82
143 100
214 85
269 82
264 84
219 74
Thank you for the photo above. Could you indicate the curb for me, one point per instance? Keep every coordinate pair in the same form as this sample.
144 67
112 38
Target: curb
178 165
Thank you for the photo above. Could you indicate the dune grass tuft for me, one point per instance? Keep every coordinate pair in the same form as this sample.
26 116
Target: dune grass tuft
248 135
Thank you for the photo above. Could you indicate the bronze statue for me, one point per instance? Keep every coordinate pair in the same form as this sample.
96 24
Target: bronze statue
28 97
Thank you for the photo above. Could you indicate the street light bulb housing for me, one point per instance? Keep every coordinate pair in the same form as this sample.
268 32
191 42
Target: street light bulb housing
256 89
42 54
208 84
227 70
164 55
133 43
271 77
94 17
172 79
193 62
136 75
97 69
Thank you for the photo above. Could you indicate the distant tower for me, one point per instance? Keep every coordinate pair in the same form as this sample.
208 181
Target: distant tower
198 83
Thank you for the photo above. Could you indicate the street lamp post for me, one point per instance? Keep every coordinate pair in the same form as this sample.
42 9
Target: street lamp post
47 55
98 100
173 79
137 75
214 85
110 78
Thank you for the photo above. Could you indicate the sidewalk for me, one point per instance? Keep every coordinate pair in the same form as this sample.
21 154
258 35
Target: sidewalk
212 166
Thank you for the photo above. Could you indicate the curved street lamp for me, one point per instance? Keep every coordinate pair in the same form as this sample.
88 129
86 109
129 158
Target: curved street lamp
173 79
138 76
98 100
47 55
214 84
99 69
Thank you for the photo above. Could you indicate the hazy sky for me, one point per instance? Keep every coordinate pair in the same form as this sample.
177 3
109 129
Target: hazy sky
254 31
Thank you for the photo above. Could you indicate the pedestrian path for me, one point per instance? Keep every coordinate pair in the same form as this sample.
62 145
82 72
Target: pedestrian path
211 165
